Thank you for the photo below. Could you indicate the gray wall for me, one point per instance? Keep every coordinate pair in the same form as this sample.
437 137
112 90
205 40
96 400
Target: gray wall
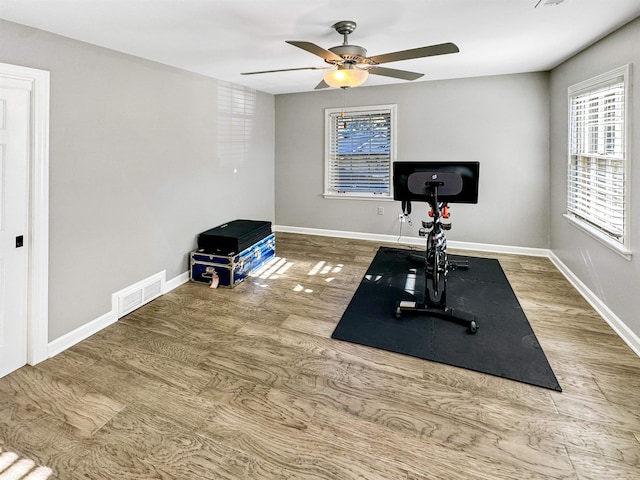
501 121
143 157
615 280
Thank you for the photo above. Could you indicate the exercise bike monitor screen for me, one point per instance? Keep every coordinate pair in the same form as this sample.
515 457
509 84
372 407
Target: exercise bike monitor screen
459 181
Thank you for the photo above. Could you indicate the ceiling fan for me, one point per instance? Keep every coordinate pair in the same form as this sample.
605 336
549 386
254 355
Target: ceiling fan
352 66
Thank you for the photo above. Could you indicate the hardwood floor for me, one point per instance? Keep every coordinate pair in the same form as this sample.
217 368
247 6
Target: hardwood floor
247 384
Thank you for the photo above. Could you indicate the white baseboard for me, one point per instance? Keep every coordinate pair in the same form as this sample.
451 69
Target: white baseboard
176 282
377 237
141 292
615 322
491 248
60 344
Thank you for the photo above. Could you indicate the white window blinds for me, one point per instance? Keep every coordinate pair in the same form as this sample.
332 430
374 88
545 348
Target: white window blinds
596 187
359 152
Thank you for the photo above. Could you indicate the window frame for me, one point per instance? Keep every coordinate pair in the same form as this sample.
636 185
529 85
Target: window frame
329 112
622 244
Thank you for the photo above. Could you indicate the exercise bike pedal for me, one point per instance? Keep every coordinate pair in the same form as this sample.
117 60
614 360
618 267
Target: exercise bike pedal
405 305
446 226
428 225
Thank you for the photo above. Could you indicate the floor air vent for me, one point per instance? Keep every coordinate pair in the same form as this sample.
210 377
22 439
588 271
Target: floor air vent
130 298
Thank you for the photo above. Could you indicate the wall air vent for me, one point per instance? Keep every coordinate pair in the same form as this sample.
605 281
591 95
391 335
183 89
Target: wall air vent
128 299
151 291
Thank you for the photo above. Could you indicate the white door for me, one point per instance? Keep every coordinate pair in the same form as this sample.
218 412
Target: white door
15 107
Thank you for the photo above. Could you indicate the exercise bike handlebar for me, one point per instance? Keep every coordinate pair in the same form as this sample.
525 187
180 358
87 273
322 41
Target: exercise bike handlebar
438 209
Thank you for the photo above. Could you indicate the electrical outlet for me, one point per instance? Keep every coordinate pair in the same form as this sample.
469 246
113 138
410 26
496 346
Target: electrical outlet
380 210
401 218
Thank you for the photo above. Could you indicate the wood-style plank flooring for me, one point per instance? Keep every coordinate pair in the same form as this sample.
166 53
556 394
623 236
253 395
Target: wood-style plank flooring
246 383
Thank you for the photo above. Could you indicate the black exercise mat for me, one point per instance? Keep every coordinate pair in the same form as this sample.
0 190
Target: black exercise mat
504 344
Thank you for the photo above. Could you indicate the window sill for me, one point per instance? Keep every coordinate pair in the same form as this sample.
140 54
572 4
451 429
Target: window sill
346 196
602 238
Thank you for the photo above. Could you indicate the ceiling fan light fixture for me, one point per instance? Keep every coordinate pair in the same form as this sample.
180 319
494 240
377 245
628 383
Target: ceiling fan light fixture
346 77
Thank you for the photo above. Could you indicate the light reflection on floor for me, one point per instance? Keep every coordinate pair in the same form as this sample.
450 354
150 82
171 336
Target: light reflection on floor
278 266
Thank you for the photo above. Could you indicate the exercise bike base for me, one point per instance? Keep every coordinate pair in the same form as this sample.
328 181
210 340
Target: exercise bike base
468 319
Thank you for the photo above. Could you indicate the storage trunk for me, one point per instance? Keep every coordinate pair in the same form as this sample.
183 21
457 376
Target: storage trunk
233 237
230 270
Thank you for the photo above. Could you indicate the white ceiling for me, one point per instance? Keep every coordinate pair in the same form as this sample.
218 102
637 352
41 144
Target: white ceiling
222 38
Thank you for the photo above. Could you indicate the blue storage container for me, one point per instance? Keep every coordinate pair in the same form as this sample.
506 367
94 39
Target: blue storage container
230 270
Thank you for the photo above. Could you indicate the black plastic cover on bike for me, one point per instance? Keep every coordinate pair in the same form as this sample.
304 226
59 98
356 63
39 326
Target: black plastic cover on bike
448 183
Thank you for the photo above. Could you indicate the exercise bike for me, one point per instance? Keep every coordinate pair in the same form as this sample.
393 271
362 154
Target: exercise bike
431 186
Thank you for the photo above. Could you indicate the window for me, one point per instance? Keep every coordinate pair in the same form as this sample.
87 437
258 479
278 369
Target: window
360 150
597 189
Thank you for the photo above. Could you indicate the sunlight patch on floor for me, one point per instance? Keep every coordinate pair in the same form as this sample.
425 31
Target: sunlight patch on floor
274 268
12 467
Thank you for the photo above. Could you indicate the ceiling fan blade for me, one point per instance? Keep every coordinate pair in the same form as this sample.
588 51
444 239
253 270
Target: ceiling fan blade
287 70
316 50
441 49
321 85
391 72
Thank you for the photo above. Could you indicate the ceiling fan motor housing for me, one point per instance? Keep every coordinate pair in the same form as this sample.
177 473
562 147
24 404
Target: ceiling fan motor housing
349 53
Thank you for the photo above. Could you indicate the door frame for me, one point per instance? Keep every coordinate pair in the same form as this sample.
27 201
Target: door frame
38 262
